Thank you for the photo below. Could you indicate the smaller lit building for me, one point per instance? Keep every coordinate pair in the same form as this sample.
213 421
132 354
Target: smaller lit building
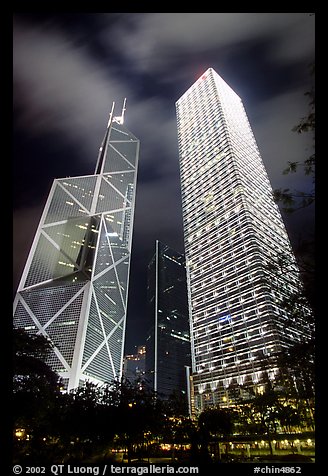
134 365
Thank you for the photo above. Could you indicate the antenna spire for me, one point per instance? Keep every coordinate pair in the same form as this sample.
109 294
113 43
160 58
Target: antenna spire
111 114
120 119
103 147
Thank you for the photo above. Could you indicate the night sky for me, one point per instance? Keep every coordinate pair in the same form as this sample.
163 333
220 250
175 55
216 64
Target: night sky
69 68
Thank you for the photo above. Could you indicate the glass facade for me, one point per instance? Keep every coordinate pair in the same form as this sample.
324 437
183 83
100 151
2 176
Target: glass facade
233 233
168 343
75 283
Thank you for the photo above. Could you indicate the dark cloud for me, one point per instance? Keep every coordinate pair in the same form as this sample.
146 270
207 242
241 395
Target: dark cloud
159 41
68 69
59 87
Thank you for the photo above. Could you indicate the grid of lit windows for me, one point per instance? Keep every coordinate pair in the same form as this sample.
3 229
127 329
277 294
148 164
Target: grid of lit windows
233 233
74 286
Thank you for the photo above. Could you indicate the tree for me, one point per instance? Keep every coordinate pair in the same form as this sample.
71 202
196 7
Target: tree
289 418
177 404
294 200
213 423
31 373
259 415
296 362
138 413
284 281
297 379
36 389
81 427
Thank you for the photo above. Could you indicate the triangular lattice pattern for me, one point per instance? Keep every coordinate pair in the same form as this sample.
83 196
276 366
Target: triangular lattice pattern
74 286
82 189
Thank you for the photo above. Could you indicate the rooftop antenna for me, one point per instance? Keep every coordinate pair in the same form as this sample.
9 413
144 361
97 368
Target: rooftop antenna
103 147
111 114
120 119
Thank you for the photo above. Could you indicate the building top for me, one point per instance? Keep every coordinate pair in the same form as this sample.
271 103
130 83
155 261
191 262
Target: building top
219 82
120 119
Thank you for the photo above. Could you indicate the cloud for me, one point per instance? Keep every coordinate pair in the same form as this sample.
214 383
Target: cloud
63 84
57 86
159 40
153 122
60 87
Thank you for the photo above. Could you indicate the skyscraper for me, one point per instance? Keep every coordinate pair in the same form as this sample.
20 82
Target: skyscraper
168 342
74 286
234 236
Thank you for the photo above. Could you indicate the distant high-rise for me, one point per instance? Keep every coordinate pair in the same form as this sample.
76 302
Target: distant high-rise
74 286
233 235
134 365
168 342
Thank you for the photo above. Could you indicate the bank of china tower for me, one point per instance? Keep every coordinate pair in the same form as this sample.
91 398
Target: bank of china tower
74 286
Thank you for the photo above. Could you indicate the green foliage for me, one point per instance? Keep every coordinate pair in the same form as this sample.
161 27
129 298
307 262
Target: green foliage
293 200
283 281
216 422
31 373
297 369
36 389
177 405
92 420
